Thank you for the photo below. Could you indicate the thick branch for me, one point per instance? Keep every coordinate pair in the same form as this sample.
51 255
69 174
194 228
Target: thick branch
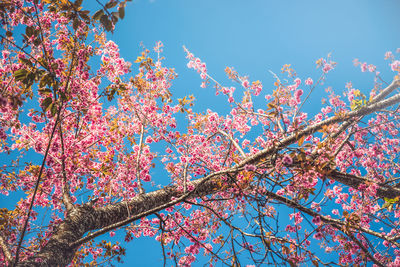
385 92
64 242
5 249
355 181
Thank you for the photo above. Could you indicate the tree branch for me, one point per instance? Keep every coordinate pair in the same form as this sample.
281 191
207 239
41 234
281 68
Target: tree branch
355 181
6 250
139 181
233 142
385 92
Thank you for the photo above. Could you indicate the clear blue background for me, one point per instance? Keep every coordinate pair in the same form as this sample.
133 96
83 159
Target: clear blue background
255 36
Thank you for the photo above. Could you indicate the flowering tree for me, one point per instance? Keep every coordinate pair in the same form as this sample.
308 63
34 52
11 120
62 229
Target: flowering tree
227 178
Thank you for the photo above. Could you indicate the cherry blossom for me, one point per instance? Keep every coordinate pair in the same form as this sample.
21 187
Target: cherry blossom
116 152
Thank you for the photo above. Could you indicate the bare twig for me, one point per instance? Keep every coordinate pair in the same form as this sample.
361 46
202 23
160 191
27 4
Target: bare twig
141 190
36 188
233 142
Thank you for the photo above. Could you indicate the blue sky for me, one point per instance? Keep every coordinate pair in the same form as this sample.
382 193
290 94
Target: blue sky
255 36
260 35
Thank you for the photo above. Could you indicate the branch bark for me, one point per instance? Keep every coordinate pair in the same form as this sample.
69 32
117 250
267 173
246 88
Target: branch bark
355 181
6 250
63 244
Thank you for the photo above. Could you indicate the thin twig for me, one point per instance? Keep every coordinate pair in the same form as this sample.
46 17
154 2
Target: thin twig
233 142
308 95
36 188
141 190
185 177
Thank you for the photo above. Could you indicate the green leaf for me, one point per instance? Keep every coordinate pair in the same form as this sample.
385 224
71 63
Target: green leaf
114 17
45 91
29 31
301 140
53 109
98 14
46 103
84 15
45 80
77 3
111 4
37 42
20 74
26 61
31 77
121 11
106 23
63 96
76 24
391 200
386 205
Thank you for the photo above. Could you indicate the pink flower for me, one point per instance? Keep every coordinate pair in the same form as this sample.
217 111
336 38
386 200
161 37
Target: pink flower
5 54
388 55
3 101
297 81
297 217
337 190
316 220
327 68
316 206
363 67
371 68
245 83
318 236
287 160
395 65
309 81
290 228
250 168
245 143
298 94
149 140
147 178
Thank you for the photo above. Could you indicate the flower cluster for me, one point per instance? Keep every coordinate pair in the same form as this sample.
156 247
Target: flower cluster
198 65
